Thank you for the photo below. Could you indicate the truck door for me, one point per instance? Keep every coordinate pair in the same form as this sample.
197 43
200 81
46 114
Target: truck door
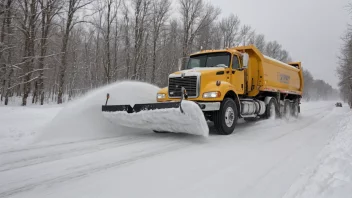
237 75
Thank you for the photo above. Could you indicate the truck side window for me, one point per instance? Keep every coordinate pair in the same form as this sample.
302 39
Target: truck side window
235 63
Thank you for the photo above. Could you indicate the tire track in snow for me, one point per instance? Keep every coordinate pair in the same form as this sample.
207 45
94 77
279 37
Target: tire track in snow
250 131
262 123
66 153
76 151
316 118
30 148
175 146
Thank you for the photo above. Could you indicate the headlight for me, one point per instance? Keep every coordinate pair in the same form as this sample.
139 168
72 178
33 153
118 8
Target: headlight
213 94
160 96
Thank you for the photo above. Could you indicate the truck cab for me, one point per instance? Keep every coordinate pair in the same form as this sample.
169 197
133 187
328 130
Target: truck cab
207 76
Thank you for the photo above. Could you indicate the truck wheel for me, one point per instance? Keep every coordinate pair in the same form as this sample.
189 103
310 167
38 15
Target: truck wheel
226 118
287 109
272 109
295 109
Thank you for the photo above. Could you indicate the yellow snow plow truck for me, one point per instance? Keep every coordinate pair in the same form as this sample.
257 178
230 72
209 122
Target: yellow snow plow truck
223 85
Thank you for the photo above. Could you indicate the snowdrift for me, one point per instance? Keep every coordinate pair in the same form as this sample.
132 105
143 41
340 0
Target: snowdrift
83 118
330 175
20 125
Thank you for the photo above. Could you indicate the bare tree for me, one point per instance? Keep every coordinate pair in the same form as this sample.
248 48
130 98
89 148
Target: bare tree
159 10
141 12
116 42
169 56
127 42
259 42
284 56
344 70
73 7
49 9
273 49
246 34
230 27
195 15
216 36
308 84
28 27
6 46
111 15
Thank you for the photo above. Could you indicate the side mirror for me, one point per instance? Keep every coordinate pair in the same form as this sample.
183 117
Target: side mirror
245 60
182 62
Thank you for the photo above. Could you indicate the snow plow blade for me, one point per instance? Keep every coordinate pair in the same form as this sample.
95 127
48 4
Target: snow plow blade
178 117
141 107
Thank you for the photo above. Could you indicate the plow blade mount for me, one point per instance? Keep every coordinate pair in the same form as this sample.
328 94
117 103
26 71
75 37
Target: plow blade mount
177 117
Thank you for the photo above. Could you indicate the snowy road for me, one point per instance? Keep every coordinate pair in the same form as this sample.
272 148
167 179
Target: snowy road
262 159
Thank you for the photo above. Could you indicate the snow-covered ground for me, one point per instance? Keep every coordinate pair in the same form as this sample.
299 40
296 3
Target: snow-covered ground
331 173
74 151
20 125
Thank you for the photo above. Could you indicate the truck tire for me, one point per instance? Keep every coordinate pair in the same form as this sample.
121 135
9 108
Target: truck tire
287 109
226 118
272 109
295 109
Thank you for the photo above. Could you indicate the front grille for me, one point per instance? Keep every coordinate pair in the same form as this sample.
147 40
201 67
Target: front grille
188 82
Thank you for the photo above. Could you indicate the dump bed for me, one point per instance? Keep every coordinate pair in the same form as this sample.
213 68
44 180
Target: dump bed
268 74
281 76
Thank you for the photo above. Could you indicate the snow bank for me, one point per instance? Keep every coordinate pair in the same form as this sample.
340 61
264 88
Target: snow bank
19 125
192 121
331 176
83 119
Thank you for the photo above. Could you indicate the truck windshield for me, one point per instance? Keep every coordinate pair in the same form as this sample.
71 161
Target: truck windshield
209 60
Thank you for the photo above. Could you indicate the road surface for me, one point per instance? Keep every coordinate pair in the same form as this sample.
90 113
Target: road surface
260 159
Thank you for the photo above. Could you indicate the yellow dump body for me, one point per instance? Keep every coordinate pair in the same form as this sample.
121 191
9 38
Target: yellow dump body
267 74
279 76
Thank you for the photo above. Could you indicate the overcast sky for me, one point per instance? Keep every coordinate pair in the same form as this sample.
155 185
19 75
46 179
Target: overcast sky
309 29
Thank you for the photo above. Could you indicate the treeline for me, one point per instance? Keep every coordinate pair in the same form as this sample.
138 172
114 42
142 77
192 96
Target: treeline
53 50
345 66
316 89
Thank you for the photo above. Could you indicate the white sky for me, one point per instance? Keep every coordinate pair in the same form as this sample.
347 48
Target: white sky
310 30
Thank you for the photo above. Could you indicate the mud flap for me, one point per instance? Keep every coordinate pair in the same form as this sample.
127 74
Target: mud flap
177 117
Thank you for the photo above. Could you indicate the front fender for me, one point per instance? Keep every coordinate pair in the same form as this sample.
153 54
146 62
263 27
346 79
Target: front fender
223 88
163 90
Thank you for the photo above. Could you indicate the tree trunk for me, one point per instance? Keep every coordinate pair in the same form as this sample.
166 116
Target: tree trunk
8 70
35 93
8 91
30 53
107 46
63 65
127 42
46 20
154 60
97 61
116 49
